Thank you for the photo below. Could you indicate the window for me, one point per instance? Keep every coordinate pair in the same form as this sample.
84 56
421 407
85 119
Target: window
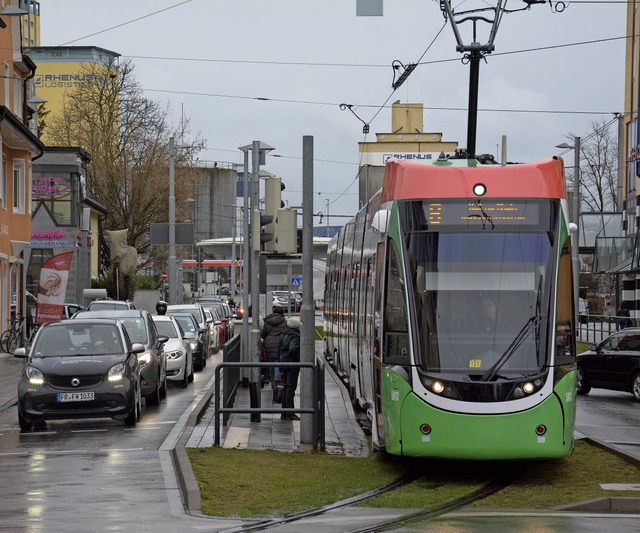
7 84
55 190
3 186
19 191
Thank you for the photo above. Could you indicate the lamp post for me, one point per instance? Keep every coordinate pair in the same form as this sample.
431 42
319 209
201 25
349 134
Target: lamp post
575 215
249 280
171 267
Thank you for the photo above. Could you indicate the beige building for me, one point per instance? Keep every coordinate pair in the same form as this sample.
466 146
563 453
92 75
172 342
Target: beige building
406 140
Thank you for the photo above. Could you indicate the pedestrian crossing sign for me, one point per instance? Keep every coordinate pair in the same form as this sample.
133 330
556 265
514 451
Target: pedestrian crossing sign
296 283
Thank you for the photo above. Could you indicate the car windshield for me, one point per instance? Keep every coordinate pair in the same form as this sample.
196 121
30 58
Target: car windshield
187 323
78 340
166 327
135 328
98 306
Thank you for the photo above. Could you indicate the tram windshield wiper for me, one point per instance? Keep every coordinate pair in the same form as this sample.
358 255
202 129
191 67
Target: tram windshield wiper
515 344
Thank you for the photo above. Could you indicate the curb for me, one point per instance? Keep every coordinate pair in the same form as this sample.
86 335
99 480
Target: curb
181 463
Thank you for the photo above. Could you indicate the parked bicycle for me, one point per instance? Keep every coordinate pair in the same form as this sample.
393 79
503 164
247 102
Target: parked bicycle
12 338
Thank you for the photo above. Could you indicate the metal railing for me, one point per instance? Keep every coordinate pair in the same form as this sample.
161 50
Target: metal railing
599 327
318 437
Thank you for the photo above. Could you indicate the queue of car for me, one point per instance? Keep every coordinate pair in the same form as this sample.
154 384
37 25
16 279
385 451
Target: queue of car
101 362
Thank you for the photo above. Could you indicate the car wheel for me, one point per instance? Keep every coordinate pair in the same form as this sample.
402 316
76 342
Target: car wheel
185 379
582 387
154 397
163 387
635 386
134 414
25 425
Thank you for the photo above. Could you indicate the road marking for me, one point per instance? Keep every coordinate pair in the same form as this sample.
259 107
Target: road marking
142 427
89 430
38 433
122 450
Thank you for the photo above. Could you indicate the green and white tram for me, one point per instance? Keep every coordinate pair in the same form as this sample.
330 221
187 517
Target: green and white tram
449 311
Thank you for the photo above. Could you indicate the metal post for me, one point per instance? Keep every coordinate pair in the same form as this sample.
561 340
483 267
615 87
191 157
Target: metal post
307 312
232 292
255 260
472 122
173 289
576 219
245 269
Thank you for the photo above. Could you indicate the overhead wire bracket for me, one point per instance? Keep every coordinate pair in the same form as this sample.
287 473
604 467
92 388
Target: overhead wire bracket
365 128
407 70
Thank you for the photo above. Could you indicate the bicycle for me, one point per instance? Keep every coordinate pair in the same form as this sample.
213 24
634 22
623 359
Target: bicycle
12 337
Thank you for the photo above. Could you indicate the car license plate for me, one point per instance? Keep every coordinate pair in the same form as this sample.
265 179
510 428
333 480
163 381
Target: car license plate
75 396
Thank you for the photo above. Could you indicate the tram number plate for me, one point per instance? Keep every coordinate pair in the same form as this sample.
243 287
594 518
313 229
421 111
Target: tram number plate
76 396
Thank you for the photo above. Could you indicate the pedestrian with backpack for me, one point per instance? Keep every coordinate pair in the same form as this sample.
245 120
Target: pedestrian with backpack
274 325
290 353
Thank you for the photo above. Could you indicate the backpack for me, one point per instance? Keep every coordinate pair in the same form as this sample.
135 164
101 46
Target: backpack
284 347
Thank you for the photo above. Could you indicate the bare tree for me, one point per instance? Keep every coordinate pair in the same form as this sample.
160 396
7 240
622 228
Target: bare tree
127 136
598 169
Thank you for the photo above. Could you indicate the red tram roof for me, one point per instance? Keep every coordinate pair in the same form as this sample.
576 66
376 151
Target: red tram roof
404 180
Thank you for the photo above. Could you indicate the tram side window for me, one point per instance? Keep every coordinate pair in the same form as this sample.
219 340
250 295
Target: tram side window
564 336
396 349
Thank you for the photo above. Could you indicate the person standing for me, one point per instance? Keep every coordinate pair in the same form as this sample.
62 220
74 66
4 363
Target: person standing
290 353
274 325
623 316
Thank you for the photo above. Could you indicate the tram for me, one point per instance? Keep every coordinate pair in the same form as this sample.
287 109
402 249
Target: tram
448 310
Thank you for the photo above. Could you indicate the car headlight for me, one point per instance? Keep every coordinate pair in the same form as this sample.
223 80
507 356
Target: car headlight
145 358
193 344
175 355
34 376
116 373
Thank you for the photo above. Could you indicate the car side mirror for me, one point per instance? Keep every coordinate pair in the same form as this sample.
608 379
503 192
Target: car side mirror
137 347
162 339
21 353
203 330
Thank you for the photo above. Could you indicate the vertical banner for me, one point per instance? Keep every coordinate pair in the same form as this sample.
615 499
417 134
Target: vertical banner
52 288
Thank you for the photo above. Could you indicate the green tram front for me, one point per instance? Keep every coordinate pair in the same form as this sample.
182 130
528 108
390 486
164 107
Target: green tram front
478 350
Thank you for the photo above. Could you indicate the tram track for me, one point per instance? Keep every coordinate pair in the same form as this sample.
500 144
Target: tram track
492 487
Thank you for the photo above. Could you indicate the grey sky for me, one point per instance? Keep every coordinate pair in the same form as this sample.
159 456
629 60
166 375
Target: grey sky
247 50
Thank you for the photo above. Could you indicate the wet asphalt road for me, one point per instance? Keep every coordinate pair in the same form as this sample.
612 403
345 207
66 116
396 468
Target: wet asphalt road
99 475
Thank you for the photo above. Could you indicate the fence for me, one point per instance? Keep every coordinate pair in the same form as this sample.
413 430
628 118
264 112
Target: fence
318 437
231 376
599 327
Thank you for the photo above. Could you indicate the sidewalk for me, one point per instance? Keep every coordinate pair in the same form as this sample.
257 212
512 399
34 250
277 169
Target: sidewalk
343 434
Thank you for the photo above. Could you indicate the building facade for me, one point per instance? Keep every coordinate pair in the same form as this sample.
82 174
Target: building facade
60 69
64 219
407 140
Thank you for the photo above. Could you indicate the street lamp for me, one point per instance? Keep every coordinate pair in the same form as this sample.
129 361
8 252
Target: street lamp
172 266
575 214
258 149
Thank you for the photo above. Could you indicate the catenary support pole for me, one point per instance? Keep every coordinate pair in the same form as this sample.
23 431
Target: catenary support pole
307 312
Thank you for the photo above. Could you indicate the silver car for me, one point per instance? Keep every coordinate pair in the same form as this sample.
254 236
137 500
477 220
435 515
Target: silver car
177 349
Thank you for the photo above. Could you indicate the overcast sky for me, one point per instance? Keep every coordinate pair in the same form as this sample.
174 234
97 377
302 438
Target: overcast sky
307 57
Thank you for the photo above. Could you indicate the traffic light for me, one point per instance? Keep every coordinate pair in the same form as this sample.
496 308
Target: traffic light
287 222
273 188
260 234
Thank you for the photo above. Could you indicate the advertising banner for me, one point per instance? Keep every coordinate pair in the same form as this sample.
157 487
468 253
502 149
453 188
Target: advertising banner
52 288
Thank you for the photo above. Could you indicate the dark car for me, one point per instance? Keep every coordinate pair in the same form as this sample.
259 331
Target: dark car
80 369
193 334
153 361
614 364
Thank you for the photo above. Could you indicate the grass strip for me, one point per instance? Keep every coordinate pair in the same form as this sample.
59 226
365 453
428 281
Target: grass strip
251 484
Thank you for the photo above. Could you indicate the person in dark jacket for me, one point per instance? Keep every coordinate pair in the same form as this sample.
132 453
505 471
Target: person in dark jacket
290 353
272 329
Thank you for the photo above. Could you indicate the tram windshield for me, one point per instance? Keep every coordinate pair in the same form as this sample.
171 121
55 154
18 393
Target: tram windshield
480 287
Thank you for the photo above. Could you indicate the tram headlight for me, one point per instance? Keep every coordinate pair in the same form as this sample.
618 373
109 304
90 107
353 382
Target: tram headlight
437 387
526 388
479 189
